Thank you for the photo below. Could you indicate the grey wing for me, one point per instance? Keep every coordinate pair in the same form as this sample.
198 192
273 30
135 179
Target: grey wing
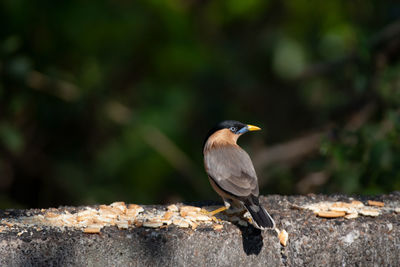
232 170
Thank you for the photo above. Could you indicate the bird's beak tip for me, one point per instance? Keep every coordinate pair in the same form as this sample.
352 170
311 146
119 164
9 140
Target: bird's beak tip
253 128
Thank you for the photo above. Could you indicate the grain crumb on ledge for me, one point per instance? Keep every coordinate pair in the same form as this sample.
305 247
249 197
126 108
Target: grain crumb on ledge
218 227
283 237
92 230
376 203
352 210
331 214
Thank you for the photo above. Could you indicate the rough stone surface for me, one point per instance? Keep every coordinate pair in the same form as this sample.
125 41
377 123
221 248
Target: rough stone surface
313 241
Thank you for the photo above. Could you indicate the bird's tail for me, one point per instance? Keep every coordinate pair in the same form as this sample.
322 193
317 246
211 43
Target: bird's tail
260 216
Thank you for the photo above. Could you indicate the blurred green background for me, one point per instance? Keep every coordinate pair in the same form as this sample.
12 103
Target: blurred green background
111 100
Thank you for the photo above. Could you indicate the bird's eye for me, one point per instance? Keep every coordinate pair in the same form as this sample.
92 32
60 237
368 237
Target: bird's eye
233 129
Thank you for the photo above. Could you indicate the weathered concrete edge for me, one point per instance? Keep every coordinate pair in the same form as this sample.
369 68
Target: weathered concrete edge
313 241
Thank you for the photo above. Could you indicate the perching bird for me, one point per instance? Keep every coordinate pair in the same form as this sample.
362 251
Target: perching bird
231 171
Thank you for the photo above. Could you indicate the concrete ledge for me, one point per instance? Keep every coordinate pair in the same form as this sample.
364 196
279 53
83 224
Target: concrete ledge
313 241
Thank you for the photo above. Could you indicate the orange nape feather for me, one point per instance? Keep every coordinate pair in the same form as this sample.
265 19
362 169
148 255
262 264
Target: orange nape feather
221 138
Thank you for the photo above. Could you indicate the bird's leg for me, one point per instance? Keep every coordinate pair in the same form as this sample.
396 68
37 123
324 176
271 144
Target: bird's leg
212 213
223 208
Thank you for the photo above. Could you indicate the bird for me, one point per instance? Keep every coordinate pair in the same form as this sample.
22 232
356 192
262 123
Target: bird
231 171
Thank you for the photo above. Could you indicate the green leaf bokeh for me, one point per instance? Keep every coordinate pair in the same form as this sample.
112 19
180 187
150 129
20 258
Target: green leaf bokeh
110 100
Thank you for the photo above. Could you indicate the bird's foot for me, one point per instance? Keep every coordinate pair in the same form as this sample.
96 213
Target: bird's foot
213 213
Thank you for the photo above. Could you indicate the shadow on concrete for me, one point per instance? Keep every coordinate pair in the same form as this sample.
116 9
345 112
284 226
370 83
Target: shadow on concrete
252 239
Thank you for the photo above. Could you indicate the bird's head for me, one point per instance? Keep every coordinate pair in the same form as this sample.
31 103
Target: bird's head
227 132
236 127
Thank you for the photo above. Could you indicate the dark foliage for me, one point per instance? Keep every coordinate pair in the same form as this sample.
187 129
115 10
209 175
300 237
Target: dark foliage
111 100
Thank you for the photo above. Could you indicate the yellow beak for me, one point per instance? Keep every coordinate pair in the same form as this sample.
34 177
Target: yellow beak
253 128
